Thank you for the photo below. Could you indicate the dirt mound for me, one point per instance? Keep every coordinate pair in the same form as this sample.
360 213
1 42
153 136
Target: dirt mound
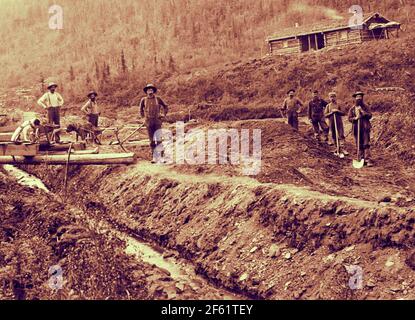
260 239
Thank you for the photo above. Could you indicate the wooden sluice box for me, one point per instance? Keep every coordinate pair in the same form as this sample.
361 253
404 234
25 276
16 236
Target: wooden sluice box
24 149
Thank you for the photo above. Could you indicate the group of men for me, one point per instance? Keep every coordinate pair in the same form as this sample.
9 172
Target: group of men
320 111
151 107
52 102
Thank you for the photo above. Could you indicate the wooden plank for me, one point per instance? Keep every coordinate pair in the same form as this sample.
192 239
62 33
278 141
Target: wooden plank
7 129
63 146
82 159
89 151
11 149
6 137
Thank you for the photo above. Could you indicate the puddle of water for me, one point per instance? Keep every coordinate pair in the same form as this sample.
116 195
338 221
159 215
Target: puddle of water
140 250
151 256
24 178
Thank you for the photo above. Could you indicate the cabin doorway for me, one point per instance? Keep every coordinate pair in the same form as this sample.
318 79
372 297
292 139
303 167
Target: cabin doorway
378 33
312 42
320 41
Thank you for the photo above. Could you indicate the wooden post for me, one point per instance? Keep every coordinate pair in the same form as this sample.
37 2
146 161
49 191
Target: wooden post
309 42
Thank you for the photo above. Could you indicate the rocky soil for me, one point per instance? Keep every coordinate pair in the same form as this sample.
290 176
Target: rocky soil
292 232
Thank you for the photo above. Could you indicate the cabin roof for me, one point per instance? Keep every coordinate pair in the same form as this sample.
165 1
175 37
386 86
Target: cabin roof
322 26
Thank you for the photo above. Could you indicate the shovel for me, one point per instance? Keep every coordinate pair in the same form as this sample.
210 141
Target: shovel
358 164
338 153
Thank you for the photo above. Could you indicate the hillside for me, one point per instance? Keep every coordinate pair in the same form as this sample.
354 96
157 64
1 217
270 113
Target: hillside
145 40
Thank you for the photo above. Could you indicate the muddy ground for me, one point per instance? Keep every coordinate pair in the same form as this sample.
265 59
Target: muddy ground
307 227
39 231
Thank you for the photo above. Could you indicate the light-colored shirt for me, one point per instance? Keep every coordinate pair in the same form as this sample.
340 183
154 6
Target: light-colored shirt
292 104
90 107
331 108
50 100
26 129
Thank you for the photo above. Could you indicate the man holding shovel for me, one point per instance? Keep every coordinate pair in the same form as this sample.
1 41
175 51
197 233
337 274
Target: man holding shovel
150 108
360 115
334 113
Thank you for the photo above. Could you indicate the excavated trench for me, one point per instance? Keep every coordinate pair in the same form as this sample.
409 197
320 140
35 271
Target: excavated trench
179 270
261 240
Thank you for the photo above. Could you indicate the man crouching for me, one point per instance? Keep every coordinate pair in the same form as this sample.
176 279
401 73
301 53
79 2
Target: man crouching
28 131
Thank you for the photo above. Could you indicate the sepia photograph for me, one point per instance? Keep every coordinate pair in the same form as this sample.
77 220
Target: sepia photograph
206 155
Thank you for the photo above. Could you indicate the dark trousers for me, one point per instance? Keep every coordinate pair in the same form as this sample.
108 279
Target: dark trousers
319 124
54 118
93 119
364 140
340 128
293 119
152 126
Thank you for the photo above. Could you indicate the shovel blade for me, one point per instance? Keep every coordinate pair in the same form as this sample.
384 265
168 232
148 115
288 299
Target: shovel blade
358 164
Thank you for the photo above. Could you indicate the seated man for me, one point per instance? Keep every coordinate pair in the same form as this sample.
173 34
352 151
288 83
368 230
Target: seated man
28 131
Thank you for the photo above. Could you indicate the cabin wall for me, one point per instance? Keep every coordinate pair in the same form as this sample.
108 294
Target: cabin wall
377 34
343 37
287 46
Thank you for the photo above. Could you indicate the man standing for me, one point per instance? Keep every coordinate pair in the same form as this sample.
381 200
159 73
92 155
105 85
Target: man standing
360 111
150 108
316 115
292 107
334 113
52 101
28 131
91 109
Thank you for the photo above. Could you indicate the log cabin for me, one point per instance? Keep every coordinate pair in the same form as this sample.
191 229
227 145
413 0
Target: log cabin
332 33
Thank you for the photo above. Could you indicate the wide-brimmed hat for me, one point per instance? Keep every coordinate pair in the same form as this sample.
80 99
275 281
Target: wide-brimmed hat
291 90
52 84
150 86
92 93
332 94
358 93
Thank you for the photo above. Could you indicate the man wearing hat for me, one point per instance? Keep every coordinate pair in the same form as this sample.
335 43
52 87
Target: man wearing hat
316 115
52 101
150 109
292 107
91 109
334 112
361 111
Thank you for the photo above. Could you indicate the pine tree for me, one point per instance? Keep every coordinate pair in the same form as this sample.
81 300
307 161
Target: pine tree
71 74
42 83
108 71
124 67
87 80
97 74
172 64
104 73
